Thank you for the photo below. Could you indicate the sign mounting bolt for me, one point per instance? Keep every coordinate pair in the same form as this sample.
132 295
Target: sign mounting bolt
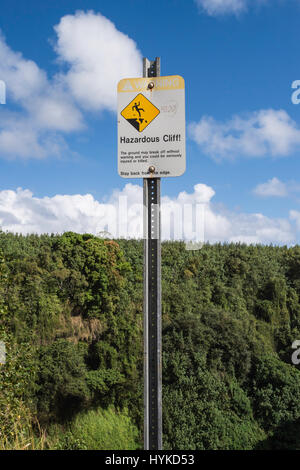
151 169
151 85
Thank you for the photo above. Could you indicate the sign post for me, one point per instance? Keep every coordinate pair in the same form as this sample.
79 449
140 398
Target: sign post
151 145
152 302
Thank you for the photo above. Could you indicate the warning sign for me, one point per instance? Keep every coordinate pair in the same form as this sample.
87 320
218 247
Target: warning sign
151 127
140 112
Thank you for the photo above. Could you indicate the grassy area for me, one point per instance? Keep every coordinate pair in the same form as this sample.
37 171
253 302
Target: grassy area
96 430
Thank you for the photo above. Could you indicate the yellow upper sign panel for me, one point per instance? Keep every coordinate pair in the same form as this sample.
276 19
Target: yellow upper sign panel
140 112
171 82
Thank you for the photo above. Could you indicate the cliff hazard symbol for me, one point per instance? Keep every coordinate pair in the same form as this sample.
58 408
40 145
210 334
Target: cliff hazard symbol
140 112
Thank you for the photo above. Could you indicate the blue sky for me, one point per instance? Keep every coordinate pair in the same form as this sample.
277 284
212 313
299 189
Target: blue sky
61 60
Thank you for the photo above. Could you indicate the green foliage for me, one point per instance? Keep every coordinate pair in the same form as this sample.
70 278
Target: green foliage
98 430
71 317
61 379
17 378
17 390
275 392
203 409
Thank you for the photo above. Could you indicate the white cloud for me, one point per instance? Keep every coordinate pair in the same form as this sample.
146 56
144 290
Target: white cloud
257 228
122 215
21 137
259 134
273 187
44 106
54 110
45 102
223 7
21 212
98 56
24 79
20 140
295 215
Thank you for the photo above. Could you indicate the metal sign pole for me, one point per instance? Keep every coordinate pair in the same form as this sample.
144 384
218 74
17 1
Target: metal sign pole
152 301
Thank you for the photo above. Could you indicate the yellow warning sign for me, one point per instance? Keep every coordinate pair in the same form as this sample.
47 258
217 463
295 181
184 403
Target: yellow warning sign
140 112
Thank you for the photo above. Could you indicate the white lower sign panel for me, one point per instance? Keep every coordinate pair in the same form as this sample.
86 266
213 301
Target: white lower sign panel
151 127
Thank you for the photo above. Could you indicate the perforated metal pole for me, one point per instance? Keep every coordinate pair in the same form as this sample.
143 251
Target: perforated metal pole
152 301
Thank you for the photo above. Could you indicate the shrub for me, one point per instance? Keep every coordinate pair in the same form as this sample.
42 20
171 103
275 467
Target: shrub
99 430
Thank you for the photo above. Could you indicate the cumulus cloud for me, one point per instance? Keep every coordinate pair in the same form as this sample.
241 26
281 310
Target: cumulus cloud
273 187
98 56
224 7
23 77
21 136
257 228
44 106
295 215
258 134
21 212
45 101
122 216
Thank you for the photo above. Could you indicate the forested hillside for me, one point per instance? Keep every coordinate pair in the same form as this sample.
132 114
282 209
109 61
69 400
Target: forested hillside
71 311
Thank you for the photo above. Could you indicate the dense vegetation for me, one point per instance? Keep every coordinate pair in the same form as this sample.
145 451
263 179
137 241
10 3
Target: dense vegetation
71 320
